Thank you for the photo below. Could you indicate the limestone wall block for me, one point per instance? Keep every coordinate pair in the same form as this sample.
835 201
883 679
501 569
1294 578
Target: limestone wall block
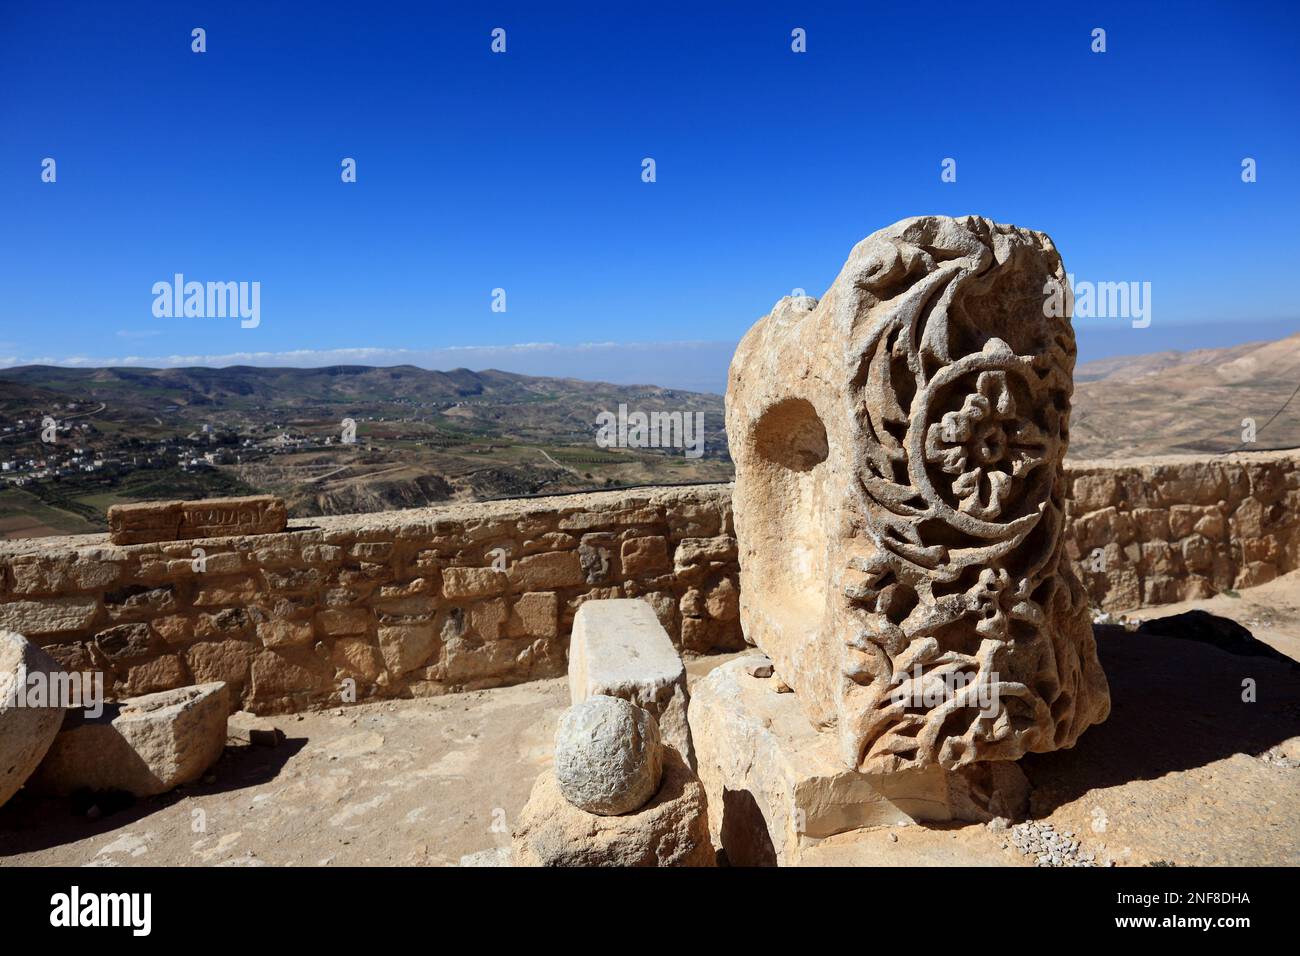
468 583
541 572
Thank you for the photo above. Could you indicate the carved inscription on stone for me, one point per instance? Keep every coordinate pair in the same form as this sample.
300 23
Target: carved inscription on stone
182 520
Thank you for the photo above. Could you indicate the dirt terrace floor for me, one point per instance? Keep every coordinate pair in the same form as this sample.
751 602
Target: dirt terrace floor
1183 772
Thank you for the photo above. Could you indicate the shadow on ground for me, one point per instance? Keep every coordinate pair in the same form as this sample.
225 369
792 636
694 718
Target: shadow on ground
1176 705
29 822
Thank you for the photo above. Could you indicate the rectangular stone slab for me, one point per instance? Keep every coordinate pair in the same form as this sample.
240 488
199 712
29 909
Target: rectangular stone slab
620 649
150 521
775 785
143 745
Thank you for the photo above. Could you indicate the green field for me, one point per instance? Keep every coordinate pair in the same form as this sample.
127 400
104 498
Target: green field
24 515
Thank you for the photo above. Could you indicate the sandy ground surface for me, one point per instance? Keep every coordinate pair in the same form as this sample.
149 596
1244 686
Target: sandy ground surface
1185 771
412 782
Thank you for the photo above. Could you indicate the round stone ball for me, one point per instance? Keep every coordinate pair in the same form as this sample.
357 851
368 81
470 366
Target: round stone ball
608 756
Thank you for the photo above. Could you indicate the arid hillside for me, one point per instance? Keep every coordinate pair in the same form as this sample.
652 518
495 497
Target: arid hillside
421 437
333 440
1188 402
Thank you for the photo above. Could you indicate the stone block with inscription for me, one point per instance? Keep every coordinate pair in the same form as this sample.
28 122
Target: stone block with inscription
149 521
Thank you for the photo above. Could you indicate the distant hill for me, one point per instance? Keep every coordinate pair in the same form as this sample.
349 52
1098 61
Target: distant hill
427 436
542 409
1187 402
246 386
421 437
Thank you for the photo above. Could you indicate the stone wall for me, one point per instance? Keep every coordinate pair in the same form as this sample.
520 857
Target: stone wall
1160 530
404 603
409 602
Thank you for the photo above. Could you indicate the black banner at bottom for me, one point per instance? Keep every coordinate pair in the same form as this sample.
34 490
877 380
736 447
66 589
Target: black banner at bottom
349 906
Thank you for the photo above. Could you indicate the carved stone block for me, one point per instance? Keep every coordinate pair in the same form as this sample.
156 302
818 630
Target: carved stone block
899 500
149 521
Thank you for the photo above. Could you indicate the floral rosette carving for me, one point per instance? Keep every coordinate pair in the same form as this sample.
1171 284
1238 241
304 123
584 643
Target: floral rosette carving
964 422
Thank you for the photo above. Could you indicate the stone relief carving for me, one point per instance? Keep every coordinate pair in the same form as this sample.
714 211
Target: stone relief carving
899 449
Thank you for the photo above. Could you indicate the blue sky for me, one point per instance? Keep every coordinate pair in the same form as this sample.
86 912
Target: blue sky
522 171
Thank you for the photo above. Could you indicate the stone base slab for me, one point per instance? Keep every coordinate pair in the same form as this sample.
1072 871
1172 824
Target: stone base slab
775 785
671 830
620 649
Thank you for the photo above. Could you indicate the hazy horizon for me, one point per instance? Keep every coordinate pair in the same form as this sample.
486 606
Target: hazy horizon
689 366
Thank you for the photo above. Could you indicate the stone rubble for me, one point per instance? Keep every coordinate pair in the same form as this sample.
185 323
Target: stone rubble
1048 847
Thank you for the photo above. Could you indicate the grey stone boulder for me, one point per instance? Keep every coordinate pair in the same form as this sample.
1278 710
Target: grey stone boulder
608 756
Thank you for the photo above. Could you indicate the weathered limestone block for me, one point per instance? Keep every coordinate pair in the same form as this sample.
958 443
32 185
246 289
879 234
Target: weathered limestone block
150 521
645 557
899 499
143 746
620 649
62 574
51 616
137 605
776 786
219 592
467 583
26 732
608 756
356 657
229 662
541 572
407 646
535 614
160 673
671 830
282 677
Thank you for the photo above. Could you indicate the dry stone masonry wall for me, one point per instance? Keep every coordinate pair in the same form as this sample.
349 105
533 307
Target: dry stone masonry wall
409 603
1161 530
